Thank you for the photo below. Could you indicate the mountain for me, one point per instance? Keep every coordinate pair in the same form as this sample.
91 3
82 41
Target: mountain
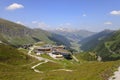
73 35
16 34
109 49
91 42
105 44
11 56
14 64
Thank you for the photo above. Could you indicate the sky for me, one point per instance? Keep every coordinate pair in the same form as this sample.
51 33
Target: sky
92 15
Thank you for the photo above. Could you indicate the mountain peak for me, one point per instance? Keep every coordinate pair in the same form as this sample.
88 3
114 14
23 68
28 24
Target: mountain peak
65 29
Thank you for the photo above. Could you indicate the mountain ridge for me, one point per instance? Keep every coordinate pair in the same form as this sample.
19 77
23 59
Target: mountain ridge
74 34
16 34
92 41
105 44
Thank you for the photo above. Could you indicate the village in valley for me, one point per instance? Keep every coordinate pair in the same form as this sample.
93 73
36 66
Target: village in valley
54 51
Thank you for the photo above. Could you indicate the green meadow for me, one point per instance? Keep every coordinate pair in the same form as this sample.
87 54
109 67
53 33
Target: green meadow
17 66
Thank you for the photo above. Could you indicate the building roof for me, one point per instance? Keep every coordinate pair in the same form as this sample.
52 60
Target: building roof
43 48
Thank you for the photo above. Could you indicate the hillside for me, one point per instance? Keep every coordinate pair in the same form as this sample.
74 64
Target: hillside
16 65
105 44
16 34
110 48
73 36
91 42
11 56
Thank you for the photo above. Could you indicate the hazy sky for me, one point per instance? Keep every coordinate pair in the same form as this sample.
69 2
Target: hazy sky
93 15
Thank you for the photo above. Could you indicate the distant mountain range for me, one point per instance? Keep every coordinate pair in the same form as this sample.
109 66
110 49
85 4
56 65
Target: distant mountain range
16 35
105 44
91 42
109 49
73 35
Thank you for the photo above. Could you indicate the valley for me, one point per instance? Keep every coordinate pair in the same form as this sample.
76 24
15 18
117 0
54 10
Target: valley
47 68
35 54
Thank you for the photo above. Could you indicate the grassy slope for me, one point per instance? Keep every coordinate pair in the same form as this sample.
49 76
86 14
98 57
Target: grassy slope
93 41
110 47
15 65
12 56
81 71
106 44
86 71
42 35
16 34
115 44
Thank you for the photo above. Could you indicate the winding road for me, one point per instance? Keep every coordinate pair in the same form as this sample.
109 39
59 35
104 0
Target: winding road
38 58
42 59
33 67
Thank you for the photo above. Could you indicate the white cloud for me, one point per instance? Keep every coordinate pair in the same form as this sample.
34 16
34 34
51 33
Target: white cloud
115 12
64 29
108 23
65 25
68 24
19 22
42 25
84 15
34 22
14 6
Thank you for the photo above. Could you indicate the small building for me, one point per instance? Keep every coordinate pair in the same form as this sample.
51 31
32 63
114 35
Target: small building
62 53
59 56
38 52
58 47
42 50
26 46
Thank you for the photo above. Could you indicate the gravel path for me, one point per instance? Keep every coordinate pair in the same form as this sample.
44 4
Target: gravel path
63 70
33 67
116 75
75 58
43 59
39 58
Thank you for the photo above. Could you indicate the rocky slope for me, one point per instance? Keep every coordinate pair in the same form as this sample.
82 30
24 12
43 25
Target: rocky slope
16 34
